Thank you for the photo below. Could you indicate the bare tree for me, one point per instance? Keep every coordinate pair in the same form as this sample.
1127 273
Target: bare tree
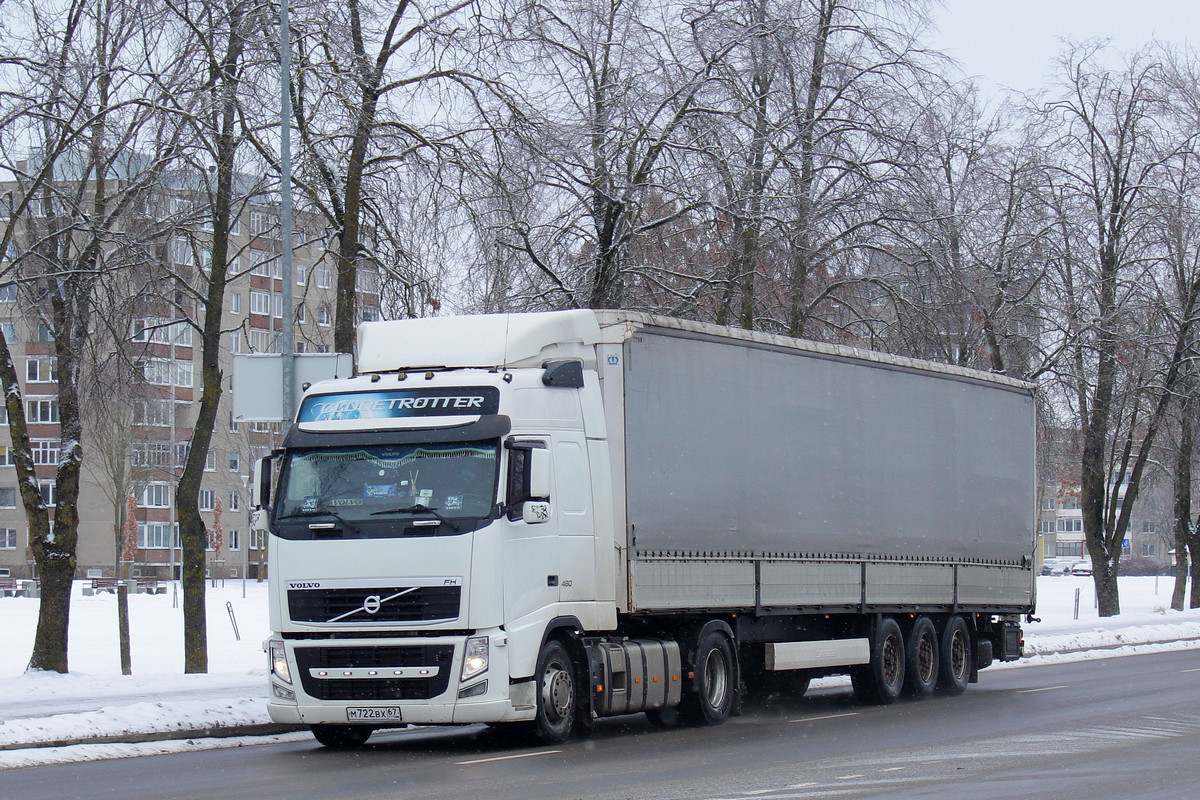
90 76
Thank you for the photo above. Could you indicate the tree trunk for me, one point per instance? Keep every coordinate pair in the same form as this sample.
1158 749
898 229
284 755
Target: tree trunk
1183 501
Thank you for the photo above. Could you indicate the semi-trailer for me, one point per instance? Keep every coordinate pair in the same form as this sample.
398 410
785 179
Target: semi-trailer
547 518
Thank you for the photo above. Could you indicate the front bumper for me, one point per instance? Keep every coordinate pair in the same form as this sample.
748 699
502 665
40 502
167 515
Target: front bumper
419 676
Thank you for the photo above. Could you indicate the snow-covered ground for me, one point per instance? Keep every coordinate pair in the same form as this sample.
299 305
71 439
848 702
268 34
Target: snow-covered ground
95 700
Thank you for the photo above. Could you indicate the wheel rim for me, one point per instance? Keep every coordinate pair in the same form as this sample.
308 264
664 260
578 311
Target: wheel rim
958 655
925 659
558 692
891 661
715 678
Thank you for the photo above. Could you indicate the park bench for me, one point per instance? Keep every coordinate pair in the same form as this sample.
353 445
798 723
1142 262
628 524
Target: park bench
103 584
150 585
10 587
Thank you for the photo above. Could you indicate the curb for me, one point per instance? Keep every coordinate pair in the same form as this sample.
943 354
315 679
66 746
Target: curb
1114 646
262 729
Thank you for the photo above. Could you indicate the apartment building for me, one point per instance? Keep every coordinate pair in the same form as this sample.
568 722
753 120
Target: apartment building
134 452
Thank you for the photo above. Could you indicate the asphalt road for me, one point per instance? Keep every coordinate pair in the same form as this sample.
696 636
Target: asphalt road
1112 728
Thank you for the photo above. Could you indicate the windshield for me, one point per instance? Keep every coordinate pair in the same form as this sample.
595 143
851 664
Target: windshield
456 479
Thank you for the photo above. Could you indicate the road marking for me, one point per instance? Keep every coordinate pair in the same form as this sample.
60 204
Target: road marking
509 758
1190 670
800 785
757 792
1043 689
827 716
893 769
846 777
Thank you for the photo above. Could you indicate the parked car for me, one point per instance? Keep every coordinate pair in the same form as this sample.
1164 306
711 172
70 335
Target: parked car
1058 566
1082 568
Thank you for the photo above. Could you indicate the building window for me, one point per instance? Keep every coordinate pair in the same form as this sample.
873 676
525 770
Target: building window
151 454
3 414
235 501
164 371
235 540
322 314
258 540
1069 549
9 331
41 410
300 313
277 305
1148 550
1147 528
235 342
8 497
206 499
156 535
301 272
260 302
370 314
210 461
233 461
258 426
41 369
157 495
324 277
1047 526
1070 525
6 457
44 333
47 490
45 451
8 293
1048 504
8 538
261 223
235 303
366 280
152 412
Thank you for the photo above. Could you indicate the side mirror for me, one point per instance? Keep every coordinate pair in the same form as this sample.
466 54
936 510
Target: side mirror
260 492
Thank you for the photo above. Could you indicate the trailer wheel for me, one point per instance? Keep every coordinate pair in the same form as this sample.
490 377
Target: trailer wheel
716 682
921 667
556 691
954 663
881 680
342 737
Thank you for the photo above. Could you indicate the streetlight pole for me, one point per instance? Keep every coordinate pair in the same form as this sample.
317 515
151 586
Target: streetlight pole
285 212
245 540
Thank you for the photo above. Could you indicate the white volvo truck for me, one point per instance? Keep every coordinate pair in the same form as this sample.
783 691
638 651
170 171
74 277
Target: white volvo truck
543 519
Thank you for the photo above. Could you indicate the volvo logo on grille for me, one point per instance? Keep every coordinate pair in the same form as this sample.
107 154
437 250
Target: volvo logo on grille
371 604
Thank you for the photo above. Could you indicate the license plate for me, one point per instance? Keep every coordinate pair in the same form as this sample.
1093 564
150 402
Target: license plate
381 714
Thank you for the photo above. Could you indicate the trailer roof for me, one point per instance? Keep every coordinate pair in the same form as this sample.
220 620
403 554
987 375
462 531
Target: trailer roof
628 321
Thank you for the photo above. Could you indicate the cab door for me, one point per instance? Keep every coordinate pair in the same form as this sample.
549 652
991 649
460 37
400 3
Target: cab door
531 546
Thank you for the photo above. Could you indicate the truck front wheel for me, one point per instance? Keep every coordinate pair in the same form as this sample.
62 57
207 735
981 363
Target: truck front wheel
881 680
715 681
556 693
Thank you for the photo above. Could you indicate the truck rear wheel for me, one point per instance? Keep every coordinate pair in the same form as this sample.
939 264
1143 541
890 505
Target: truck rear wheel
342 737
881 680
921 667
556 694
716 681
954 663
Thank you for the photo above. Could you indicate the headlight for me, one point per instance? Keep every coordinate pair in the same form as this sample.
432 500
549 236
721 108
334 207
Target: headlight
279 664
475 657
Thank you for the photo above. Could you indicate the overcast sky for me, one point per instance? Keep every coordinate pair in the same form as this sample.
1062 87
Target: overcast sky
1013 42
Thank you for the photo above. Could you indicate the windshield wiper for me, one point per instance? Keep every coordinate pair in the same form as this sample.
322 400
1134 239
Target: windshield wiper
323 511
418 509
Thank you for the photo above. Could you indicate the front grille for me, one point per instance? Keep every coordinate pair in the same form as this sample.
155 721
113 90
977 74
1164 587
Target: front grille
416 688
394 604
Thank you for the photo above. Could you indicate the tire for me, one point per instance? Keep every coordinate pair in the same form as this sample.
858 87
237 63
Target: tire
716 682
881 681
557 694
921 659
954 662
342 737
